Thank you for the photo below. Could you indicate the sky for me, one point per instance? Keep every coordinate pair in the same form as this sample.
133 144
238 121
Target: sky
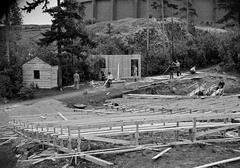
36 16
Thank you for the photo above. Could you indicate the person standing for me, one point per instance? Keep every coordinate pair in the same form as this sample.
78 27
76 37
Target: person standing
220 88
178 68
109 79
102 76
76 79
135 70
193 70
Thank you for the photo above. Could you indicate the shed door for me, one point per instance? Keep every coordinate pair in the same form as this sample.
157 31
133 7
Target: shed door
134 62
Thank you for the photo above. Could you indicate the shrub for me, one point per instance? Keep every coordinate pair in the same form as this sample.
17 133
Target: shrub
6 87
26 93
95 63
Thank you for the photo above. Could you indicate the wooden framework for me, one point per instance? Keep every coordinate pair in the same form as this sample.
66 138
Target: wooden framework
50 133
129 117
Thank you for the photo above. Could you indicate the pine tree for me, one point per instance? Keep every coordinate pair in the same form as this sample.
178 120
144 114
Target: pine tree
186 10
15 15
67 28
233 10
166 3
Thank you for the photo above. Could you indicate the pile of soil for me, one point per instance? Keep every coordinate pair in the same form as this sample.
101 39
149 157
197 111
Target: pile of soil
185 86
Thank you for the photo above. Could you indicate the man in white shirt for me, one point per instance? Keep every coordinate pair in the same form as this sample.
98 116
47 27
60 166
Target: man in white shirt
76 79
109 79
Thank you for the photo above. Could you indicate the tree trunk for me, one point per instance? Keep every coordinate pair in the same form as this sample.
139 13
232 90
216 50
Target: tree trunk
7 37
59 48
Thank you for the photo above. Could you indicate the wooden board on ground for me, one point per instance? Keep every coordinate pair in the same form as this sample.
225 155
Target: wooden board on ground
109 140
219 162
160 154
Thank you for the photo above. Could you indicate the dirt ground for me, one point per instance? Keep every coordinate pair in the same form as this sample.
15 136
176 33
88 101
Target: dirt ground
178 157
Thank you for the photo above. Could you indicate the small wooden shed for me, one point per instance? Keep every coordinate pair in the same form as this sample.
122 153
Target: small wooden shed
38 73
122 65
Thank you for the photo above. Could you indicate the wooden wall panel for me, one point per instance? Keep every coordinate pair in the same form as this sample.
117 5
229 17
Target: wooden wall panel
124 62
48 73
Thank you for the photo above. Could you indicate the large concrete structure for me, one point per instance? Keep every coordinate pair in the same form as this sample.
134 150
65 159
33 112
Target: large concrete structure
106 10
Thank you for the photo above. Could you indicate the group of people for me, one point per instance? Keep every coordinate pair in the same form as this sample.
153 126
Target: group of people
174 66
76 79
109 78
214 90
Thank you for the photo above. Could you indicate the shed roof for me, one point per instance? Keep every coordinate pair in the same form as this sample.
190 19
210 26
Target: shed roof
37 59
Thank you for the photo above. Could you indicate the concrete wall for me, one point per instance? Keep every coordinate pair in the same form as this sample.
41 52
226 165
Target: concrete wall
124 9
105 10
205 10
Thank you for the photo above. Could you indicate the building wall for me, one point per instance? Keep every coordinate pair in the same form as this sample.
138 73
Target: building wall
124 9
103 10
48 77
124 62
205 10
142 10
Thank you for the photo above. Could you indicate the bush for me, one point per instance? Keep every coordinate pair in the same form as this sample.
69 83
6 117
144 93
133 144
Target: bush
95 63
6 87
26 93
197 48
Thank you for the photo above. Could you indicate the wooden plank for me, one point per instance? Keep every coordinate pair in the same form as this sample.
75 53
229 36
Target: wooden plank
96 160
219 162
109 140
7 141
160 154
150 96
62 116
137 133
139 148
79 141
194 130
203 133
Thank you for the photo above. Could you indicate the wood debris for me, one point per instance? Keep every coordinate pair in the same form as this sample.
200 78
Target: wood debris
160 154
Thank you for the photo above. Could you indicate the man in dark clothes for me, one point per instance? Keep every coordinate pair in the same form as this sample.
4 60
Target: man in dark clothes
102 76
177 64
220 84
109 79
219 88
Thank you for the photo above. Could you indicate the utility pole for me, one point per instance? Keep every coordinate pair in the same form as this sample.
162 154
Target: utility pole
147 25
147 52
7 33
187 15
59 49
163 24
172 52
162 10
